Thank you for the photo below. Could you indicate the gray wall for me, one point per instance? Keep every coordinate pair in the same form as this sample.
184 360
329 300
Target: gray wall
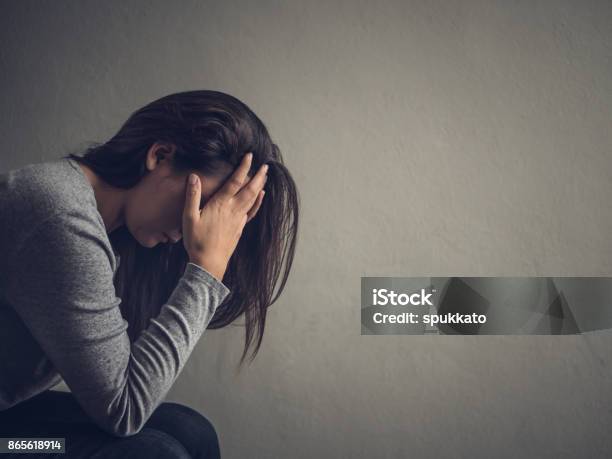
427 138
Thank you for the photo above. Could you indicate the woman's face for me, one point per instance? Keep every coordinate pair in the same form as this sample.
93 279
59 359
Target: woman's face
154 207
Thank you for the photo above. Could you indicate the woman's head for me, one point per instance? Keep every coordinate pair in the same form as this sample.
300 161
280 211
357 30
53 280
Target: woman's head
207 133
153 208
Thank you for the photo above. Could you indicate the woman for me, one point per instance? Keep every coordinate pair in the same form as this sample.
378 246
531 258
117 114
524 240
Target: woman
97 288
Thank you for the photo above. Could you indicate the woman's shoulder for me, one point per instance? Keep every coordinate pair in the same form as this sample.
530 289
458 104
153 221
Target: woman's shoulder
38 192
55 182
47 187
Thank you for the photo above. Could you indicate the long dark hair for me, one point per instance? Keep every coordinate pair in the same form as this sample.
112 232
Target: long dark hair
210 130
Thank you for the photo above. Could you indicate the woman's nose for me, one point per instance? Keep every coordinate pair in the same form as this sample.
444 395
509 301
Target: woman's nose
175 236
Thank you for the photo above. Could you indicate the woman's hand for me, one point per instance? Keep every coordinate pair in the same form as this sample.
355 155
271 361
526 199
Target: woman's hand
211 235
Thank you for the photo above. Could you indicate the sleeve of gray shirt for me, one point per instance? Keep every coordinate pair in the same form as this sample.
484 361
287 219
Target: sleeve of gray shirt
65 295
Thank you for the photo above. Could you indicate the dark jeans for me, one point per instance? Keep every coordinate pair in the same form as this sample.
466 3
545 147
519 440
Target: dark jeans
172 431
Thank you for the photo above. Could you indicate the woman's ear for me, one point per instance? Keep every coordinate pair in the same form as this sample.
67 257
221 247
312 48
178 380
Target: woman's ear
158 152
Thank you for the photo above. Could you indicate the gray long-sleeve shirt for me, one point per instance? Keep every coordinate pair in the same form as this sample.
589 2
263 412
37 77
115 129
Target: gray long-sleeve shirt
59 313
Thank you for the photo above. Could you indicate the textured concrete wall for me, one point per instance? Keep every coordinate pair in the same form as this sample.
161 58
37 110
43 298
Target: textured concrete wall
426 138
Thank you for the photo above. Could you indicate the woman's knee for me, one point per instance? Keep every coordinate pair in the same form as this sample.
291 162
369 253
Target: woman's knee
149 443
188 414
194 430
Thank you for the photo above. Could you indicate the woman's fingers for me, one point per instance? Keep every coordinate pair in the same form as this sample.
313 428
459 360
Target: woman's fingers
237 179
191 211
248 194
251 213
244 198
